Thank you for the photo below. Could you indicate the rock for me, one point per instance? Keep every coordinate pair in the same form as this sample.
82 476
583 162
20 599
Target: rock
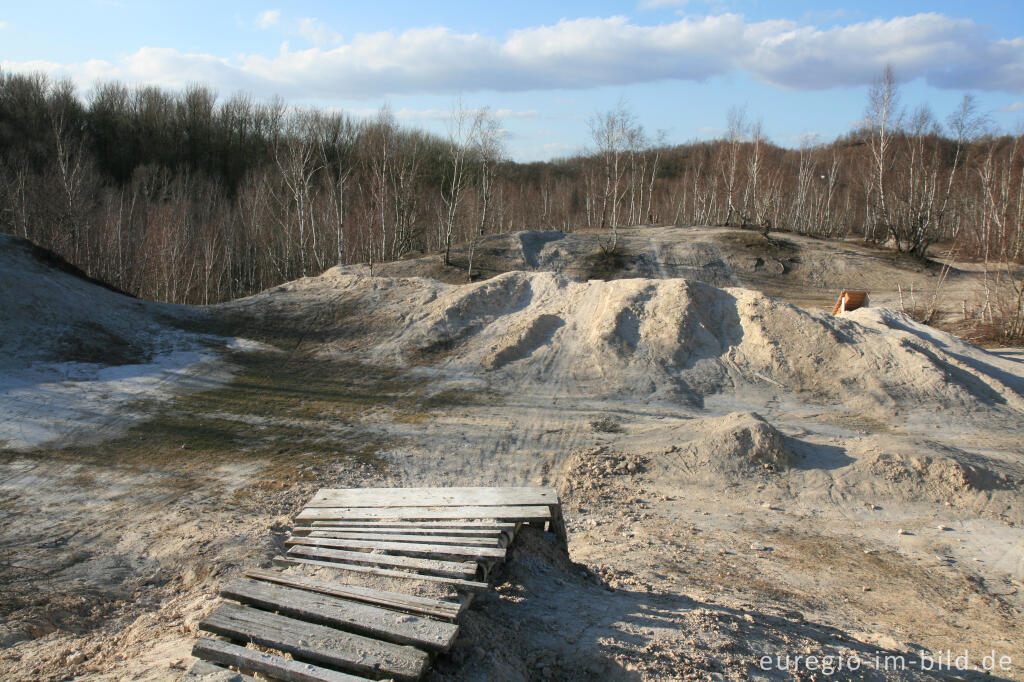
758 547
901 532
75 658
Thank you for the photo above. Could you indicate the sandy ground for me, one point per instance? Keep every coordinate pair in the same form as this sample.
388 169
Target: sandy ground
741 478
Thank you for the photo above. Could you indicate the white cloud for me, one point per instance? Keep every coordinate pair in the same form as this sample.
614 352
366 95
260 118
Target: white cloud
528 115
3 25
406 114
592 52
1012 108
269 18
808 139
318 33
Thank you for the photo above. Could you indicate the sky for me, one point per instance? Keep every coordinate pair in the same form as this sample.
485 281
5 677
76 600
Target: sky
545 68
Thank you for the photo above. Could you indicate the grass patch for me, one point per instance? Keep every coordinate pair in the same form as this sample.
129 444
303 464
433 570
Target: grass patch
606 425
605 264
92 343
776 247
291 414
420 410
277 409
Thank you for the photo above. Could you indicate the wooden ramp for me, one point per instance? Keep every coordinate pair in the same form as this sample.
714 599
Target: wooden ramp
309 629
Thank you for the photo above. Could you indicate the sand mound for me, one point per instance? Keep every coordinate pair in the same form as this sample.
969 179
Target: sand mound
48 311
738 444
672 339
942 478
589 469
73 351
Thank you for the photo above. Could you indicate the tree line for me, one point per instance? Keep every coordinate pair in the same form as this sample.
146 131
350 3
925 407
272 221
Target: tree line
184 197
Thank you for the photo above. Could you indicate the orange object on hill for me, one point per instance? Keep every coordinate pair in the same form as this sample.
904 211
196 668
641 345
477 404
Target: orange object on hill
850 300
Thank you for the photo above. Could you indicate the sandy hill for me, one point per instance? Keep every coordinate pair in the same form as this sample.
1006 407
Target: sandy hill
74 351
669 339
806 271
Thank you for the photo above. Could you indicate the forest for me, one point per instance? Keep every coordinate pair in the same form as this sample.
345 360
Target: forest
186 197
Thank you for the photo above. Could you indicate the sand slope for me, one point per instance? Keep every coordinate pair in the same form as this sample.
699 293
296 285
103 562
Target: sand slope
669 339
74 354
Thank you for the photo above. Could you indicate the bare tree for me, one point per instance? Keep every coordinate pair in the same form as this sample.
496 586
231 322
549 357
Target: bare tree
488 150
297 161
883 118
463 130
752 201
610 131
737 129
336 142
72 172
659 144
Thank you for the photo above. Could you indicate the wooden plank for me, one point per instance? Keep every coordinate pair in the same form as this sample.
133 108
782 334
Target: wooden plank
426 526
362 619
404 547
407 530
470 585
317 643
455 569
529 513
286 670
483 541
437 608
433 497
557 525
204 671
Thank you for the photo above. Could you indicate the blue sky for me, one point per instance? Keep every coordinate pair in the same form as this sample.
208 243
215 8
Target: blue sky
803 68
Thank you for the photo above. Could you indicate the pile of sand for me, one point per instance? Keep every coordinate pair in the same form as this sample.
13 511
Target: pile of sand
669 339
738 445
49 311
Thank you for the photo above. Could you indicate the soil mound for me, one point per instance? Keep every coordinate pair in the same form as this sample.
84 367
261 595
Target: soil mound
51 311
672 339
736 445
73 351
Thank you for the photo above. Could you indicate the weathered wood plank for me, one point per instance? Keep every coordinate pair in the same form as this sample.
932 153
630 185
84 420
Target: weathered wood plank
470 585
204 671
486 524
317 643
404 547
437 608
433 497
455 569
527 513
483 541
286 670
362 619
506 529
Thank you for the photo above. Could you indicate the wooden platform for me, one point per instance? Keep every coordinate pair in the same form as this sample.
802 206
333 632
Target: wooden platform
337 632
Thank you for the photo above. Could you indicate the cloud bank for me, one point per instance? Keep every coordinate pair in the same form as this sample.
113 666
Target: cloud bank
584 53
